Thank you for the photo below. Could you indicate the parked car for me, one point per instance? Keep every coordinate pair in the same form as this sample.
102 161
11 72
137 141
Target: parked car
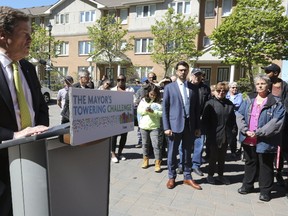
46 94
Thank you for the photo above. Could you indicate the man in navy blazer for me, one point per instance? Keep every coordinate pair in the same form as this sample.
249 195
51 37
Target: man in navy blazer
15 42
181 123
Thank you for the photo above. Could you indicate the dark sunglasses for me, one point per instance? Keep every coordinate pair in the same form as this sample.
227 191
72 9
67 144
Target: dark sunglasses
234 87
119 80
222 91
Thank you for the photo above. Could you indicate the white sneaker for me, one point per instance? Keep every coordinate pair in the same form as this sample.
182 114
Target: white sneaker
210 179
223 180
122 158
114 159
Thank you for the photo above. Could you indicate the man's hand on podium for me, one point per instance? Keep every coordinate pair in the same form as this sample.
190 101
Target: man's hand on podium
30 131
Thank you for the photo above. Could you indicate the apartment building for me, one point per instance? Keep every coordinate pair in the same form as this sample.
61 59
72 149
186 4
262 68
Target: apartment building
211 15
70 19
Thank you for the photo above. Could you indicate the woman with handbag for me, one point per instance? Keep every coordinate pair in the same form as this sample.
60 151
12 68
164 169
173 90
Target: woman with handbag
260 119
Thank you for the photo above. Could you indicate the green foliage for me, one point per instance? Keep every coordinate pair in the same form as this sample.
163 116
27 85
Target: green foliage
174 39
255 33
244 86
40 43
107 35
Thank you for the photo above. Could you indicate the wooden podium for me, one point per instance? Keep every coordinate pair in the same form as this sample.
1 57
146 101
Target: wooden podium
49 178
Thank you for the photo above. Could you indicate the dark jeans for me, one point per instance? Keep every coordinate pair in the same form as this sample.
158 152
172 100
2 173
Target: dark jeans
122 143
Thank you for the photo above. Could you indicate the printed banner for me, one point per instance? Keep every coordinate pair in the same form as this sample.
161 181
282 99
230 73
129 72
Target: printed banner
97 114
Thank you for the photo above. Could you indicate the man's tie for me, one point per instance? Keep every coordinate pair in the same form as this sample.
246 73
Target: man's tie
22 103
185 101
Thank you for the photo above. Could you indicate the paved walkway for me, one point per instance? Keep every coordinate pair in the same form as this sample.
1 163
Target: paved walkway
135 192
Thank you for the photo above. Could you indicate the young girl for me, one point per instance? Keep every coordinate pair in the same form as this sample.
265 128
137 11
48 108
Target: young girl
150 111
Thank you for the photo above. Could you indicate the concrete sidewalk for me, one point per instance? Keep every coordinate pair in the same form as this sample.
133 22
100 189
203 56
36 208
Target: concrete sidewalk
135 191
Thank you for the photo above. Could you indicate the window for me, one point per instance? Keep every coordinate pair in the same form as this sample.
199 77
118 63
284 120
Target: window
223 74
62 70
143 45
85 47
87 16
89 68
209 8
226 7
207 72
124 16
173 45
183 7
62 18
143 71
145 10
123 71
206 41
63 49
109 72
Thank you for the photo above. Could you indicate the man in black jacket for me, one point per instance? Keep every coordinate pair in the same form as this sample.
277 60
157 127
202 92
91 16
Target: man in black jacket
204 95
15 41
279 89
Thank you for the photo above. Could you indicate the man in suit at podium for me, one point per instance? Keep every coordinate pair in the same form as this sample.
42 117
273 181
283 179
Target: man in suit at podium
181 123
23 110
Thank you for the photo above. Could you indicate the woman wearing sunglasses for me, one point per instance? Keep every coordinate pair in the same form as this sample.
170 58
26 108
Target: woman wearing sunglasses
218 122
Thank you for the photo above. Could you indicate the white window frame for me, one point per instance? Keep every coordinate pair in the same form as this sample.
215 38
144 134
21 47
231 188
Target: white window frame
62 18
143 50
143 71
63 49
207 71
87 16
226 7
140 11
61 70
124 16
88 68
85 47
223 74
186 7
210 8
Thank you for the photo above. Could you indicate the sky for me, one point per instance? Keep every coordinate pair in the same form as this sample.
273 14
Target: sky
26 3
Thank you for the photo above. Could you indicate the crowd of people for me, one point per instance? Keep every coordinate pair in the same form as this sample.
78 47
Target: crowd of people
175 116
188 122
184 120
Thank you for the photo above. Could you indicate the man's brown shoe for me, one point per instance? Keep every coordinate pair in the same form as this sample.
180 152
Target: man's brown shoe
192 183
170 184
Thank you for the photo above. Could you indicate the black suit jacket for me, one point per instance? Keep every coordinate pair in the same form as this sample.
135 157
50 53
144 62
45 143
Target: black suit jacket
8 123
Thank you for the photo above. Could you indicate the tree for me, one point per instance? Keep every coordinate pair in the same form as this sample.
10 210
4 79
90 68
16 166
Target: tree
109 38
174 39
40 43
255 33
